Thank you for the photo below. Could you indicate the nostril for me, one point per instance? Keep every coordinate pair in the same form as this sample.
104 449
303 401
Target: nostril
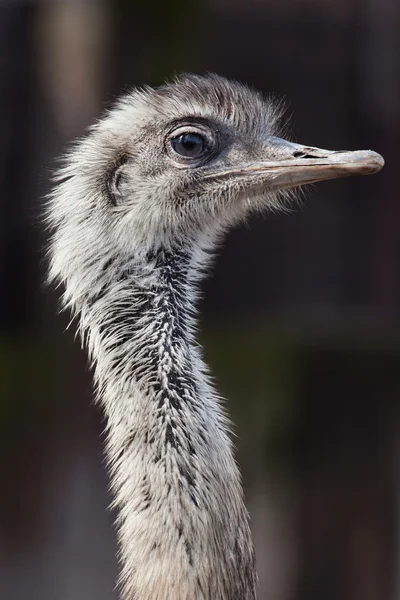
299 154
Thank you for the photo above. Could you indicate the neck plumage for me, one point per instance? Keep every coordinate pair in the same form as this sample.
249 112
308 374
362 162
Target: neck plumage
183 528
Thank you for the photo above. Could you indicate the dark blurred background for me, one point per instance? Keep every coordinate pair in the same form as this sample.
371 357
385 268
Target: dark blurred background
300 320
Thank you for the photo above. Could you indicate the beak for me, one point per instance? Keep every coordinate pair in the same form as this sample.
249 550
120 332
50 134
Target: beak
293 165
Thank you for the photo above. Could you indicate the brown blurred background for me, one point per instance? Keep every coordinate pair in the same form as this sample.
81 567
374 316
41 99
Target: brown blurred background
300 321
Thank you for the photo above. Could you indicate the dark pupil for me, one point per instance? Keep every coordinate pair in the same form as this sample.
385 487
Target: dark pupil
188 144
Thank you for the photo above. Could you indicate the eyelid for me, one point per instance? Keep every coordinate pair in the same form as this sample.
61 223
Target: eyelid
203 131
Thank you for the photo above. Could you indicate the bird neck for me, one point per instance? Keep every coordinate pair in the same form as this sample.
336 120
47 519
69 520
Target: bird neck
183 527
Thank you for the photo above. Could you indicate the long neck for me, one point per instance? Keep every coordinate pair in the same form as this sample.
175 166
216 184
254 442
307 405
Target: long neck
183 528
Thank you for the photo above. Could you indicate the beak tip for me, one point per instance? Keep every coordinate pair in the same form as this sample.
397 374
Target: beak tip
362 162
377 162
371 161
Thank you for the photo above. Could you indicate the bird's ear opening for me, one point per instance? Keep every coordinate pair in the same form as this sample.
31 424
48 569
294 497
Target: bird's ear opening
116 181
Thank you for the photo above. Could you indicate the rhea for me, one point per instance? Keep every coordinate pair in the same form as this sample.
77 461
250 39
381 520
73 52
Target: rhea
137 210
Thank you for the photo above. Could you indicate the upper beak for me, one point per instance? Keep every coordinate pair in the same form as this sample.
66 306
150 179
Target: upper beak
294 165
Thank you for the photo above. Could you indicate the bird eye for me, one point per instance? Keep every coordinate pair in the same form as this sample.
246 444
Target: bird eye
189 145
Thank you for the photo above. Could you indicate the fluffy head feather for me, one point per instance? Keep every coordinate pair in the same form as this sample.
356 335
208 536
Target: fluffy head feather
122 189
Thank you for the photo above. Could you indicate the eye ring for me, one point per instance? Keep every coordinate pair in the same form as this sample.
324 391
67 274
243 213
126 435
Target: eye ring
190 145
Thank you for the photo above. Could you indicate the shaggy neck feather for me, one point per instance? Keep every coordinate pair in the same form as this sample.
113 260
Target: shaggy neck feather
182 524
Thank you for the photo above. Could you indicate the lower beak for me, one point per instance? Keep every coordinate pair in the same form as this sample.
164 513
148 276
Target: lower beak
295 165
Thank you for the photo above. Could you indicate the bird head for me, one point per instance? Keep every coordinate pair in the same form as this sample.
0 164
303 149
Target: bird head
180 162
